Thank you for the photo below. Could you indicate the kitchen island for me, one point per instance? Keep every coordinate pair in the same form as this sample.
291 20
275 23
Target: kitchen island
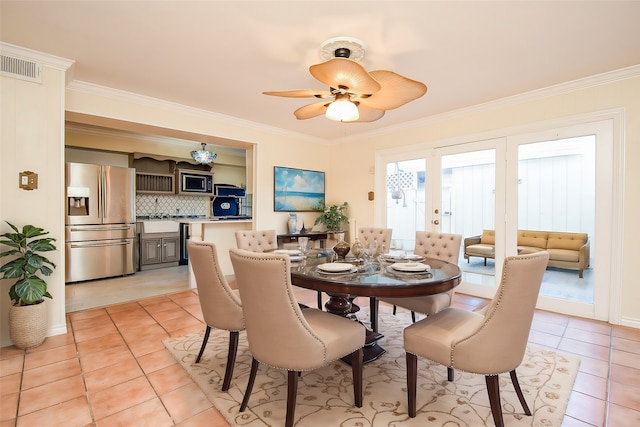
221 233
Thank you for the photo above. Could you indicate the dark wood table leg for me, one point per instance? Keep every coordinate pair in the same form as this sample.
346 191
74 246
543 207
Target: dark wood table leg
341 305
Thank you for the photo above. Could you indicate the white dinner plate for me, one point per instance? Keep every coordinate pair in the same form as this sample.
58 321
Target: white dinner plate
336 267
287 252
403 258
410 266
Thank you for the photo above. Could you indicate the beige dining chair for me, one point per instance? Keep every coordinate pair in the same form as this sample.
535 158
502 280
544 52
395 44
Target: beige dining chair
382 238
488 343
282 335
256 240
221 306
260 241
441 246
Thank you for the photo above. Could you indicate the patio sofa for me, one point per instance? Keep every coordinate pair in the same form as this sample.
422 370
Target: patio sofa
566 250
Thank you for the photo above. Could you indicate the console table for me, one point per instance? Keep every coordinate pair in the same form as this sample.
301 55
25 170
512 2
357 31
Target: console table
293 238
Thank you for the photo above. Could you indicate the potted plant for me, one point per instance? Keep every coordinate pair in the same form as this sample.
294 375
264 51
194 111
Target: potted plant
28 313
332 217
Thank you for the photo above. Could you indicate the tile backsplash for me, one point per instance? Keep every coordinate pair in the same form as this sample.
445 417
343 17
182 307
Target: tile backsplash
170 205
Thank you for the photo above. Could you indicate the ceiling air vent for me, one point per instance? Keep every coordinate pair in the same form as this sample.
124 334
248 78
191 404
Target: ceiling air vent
21 69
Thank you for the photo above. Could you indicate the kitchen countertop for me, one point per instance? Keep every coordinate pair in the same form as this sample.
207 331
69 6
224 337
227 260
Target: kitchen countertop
211 220
193 220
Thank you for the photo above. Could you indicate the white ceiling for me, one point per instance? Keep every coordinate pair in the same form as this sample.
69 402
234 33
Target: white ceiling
221 55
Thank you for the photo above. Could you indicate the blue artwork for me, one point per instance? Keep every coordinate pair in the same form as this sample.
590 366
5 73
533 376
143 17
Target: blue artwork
297 190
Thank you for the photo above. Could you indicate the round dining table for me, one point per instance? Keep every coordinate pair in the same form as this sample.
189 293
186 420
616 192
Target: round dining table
380 279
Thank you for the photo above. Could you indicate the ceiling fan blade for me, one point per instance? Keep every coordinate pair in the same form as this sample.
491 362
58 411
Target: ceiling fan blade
345 74
319 93
368 114
311 110
396 91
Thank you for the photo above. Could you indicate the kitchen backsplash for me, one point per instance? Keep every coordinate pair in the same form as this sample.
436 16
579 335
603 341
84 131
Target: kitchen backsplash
171 205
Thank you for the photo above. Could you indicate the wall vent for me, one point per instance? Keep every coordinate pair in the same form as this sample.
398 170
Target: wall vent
20 68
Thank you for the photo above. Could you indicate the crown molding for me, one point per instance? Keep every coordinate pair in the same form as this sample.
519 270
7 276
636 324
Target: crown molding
47 60
571 86
537 94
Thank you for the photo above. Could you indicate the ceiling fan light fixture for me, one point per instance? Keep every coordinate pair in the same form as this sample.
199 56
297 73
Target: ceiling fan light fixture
203 156
342 110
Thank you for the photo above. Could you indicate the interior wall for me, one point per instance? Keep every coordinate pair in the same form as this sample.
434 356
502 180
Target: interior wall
32 116
75 155
505 119
268 148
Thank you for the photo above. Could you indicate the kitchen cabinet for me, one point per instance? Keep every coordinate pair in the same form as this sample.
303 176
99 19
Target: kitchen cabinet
155 183
162 250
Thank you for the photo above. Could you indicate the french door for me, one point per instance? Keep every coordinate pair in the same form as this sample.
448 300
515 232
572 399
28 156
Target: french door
547 181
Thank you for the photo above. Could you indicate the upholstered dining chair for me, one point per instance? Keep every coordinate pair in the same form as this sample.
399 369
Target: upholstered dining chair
260 241
221 306
442 246
256 240
382 238
490 342
282 335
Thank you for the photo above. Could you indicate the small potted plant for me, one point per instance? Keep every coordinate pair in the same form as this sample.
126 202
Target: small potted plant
333 217
28 313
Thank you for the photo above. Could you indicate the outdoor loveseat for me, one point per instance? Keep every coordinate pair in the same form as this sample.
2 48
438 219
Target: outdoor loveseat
566 250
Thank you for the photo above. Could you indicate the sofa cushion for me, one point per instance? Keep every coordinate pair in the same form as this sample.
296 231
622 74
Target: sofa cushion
534 239
488 237
564 255
571 241
481 250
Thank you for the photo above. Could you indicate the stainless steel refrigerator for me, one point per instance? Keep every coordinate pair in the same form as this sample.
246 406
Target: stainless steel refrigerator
100 221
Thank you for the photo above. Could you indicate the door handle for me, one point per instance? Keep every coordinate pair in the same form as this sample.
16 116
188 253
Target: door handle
99 245
102 229
436 222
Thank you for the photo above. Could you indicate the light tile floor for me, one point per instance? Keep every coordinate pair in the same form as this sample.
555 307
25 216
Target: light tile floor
111 368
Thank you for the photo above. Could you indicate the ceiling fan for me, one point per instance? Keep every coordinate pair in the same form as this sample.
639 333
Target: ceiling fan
354 94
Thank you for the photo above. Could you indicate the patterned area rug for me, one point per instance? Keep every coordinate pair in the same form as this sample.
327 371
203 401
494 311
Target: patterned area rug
325 396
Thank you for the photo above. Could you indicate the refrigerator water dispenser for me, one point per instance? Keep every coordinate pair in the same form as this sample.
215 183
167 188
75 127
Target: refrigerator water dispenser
78 201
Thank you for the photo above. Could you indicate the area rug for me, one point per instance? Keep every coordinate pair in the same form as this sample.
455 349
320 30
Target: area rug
325 396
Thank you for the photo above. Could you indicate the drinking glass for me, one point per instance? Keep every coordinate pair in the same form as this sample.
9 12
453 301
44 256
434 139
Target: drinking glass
303 243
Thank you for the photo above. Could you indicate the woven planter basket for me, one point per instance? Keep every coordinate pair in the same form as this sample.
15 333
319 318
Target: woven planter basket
28 325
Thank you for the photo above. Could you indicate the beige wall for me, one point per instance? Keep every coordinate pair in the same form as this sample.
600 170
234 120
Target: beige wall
32 117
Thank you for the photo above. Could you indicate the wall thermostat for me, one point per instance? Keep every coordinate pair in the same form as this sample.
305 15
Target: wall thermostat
28 180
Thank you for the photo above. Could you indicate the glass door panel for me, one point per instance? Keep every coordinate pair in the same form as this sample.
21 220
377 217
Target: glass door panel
405 201
467 207
556 193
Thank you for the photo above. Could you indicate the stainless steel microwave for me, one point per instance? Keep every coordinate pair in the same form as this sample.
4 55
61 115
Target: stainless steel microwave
194 182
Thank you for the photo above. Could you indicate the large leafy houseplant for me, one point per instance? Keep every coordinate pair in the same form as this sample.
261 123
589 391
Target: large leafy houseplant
30 288
333 216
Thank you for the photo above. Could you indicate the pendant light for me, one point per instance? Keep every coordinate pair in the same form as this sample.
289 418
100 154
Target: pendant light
203 156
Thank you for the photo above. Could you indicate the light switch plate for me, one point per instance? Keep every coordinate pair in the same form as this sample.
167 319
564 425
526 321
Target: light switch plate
28 180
